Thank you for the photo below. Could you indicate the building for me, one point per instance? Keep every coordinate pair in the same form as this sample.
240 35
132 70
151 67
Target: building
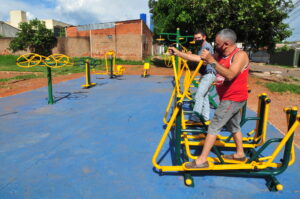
131 40
18 16
7 30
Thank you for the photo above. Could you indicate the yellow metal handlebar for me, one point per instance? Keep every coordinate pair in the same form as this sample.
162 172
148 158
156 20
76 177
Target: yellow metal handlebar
52 61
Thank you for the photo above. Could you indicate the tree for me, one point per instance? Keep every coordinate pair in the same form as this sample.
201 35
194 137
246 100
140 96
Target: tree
258 23
35 36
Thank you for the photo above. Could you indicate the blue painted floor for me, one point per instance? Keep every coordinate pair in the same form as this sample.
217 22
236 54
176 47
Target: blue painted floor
98 143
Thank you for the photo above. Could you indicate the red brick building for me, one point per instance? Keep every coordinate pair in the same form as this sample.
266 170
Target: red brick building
131 40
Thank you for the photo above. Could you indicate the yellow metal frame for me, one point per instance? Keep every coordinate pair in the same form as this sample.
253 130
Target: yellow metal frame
182 66
220 139
168 58
29 60
174 115
188 77
215 164
117 69
87 84
146 68
53 61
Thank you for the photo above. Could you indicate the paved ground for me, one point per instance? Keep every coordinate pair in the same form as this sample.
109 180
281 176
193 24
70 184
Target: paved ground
98 143
273 71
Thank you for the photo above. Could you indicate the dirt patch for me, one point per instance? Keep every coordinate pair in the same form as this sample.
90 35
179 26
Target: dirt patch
276 114
279 101
10 74
19 86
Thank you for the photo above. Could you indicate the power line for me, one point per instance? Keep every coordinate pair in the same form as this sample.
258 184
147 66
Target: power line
294 10
294 17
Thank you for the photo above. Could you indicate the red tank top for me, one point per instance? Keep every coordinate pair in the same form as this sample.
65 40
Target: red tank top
236 89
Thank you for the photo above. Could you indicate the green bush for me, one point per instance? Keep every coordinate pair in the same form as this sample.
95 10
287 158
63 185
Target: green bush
283 49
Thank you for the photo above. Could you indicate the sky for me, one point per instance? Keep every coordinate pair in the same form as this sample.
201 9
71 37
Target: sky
294 22
77 12
81 12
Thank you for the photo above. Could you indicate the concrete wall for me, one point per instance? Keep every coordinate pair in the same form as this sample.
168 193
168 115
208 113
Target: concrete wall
4 45
73 47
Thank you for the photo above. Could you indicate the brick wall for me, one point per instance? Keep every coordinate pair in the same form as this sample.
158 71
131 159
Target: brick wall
73 47
4 45
147 41
131 40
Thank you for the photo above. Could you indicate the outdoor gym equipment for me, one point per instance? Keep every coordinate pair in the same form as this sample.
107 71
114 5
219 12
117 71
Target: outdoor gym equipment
168 58
177 43
52 61
185 139
88 62
254 166
110 65
195 136
146 70
183 71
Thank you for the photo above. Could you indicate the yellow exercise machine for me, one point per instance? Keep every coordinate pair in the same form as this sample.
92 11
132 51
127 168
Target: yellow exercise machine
196 136
189 131
110 65
88 83
255 165
146 70
52 61
186 139
168 58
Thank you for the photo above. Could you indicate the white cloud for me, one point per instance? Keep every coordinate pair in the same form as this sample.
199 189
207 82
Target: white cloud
30 16
78 12
102 10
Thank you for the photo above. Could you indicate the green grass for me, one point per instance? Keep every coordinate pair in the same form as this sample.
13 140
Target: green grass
23 77
283 87
127 62
294 78
8 63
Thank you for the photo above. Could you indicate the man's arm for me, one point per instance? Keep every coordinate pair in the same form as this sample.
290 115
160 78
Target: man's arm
187 56
239 62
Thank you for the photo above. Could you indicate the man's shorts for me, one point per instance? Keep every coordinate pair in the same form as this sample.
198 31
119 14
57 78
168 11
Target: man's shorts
227 114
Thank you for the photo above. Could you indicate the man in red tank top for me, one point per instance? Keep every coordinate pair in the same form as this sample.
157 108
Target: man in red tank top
232 66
